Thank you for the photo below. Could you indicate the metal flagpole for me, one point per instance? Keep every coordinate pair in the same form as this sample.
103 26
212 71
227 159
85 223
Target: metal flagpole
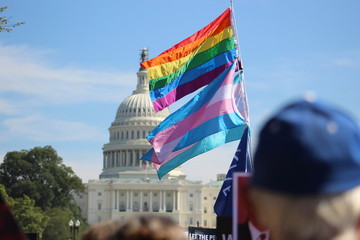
245 100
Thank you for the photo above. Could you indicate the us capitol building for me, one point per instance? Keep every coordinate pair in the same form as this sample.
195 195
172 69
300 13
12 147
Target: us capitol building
128 185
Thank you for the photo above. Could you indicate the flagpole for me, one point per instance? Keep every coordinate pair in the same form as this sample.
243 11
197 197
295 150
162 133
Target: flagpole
245 102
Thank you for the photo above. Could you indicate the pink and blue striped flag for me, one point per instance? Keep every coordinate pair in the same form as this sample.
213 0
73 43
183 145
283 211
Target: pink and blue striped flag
216 115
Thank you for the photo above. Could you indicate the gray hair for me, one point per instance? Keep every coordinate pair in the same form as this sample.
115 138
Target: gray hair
321 217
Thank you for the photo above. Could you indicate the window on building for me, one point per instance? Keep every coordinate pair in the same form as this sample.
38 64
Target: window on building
205 210
155 207
145 207
136 207
191 207
99 193
205 223
190 221
169 207
205 198
122 207
191 195
99 206
214 198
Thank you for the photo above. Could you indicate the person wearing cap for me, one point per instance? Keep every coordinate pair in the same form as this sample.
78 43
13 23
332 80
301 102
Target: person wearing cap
306 179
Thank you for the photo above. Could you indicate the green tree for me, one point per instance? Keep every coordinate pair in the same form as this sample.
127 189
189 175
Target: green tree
5 24
30 218
40 174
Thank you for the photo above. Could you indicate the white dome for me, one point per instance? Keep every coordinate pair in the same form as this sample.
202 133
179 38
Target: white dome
138 105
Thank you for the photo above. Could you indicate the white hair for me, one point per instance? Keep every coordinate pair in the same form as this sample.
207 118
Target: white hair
321 217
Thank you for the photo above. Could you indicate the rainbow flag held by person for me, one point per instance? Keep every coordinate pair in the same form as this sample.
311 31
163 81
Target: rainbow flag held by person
213 117
192 63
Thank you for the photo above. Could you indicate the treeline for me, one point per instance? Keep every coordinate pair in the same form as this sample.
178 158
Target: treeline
38 188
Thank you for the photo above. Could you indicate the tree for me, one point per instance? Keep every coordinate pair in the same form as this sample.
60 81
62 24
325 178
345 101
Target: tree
5 24
40 174
30 218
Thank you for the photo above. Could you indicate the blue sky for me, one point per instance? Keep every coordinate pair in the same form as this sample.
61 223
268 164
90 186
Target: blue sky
64 73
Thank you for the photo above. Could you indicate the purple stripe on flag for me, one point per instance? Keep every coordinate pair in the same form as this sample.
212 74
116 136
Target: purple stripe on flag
189 87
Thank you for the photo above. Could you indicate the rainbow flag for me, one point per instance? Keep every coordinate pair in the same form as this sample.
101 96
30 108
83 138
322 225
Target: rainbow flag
210 119
192 63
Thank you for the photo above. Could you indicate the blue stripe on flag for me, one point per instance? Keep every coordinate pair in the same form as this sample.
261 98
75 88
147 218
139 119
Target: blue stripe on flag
194 73
206 144
210 127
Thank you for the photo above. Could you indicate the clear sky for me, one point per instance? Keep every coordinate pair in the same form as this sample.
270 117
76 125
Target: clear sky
64 73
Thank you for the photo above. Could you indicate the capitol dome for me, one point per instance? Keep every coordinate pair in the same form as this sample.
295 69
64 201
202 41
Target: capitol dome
135 118
138 105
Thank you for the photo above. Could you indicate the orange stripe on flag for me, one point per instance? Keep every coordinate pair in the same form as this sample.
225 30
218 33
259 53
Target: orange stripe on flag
188 45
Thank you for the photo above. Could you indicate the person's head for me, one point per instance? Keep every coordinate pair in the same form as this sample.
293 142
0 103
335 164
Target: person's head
306 179
150 227
139 227
102 230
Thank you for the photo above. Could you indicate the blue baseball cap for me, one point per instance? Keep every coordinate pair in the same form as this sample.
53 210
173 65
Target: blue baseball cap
307 148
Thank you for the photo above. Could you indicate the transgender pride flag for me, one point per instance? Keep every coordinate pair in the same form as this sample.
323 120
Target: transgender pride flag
215 116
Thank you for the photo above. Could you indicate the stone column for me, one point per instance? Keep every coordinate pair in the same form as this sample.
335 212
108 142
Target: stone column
127 200
105 160
164 201
113 193
174 200
151 203
126 157
178 200
160 201
141 201
131 200
134 158
117 158
116 199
